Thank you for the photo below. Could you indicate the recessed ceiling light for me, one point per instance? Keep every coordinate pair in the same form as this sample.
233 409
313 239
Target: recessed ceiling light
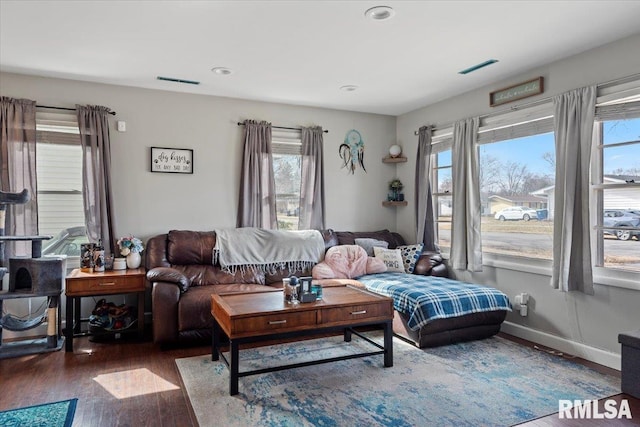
348 88
222 71
380 13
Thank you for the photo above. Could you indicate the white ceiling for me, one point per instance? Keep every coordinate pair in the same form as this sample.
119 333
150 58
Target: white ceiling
302 52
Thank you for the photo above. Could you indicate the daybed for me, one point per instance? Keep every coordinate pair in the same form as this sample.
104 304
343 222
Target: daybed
183 275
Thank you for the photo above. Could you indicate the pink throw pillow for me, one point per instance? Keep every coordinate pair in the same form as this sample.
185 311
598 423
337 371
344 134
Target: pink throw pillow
346 262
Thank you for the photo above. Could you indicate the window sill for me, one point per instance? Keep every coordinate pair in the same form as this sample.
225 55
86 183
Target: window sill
601 276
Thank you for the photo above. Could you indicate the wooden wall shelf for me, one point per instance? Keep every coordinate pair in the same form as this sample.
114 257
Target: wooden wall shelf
399 159
389 203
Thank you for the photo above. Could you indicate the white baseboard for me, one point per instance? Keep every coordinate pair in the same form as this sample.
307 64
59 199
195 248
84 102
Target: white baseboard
596 355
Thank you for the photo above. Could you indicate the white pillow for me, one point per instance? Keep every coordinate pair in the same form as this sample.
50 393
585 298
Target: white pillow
392 258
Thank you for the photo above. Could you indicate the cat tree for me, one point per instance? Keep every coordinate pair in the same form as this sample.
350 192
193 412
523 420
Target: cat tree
29 278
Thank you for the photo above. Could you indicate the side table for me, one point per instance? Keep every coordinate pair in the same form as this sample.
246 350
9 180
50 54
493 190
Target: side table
79 284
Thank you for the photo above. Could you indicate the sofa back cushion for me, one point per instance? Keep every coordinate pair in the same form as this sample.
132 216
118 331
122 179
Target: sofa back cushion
190 247
349 237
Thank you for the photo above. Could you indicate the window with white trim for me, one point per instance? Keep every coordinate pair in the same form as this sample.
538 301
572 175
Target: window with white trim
59 181
516 191
286 146
443 196
615 172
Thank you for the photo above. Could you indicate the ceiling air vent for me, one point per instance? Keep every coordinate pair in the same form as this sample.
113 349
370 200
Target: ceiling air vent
171 79
478 66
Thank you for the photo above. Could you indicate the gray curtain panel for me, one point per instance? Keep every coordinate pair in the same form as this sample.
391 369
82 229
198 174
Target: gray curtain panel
18 157
425 223
466 246
574 113
257 201
97 190
312 210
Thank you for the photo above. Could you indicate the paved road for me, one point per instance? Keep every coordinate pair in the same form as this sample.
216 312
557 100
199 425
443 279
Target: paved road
520 242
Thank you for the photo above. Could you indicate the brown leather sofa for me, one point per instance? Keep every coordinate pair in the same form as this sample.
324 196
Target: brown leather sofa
183 276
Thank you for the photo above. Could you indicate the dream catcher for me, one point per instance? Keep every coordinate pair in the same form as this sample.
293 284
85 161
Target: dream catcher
352 151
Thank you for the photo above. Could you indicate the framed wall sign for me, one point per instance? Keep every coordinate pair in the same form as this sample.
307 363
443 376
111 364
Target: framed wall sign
171 160
515 92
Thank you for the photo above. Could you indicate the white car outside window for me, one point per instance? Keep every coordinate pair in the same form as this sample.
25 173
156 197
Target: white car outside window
516 213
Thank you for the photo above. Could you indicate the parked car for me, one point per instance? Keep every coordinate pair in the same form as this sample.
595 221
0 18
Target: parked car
516 213
622 218
67 242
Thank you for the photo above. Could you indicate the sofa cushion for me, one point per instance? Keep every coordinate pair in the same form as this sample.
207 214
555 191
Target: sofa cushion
349 237
200 275
368 244
346 262
190 247
392 258
410 256
194 310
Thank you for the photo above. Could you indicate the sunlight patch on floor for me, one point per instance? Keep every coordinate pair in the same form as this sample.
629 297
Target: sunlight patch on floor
133 382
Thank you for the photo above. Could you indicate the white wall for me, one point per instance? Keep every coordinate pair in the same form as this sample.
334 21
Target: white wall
579 323
149 203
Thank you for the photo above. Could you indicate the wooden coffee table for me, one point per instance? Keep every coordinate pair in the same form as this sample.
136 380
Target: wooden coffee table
254 317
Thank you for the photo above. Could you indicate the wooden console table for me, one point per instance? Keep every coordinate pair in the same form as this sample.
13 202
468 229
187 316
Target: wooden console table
79 285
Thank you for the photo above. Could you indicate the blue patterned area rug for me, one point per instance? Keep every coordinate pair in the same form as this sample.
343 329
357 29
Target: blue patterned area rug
493 382
57 414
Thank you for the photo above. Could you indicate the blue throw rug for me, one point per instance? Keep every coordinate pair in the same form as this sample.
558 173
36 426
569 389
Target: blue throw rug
493 382
57 414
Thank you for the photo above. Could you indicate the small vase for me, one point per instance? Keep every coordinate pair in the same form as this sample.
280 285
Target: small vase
134 260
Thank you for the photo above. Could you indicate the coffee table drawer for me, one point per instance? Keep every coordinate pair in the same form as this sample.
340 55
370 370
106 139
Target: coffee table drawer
273 322
355 313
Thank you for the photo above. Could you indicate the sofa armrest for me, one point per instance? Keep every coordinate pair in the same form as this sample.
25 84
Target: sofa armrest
164 308
431 264
170 275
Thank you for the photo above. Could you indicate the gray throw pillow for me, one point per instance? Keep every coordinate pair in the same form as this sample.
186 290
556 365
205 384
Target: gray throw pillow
368 244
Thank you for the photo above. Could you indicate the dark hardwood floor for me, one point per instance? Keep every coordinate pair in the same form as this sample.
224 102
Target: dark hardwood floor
128 383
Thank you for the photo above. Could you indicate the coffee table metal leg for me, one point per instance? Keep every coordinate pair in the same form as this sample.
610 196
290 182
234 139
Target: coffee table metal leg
233 367
215 341
347 334
388 345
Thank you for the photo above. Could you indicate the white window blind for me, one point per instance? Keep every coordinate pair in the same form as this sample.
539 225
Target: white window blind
286 141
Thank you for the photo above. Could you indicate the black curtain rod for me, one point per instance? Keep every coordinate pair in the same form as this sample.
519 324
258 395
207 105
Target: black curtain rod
283 127
113 113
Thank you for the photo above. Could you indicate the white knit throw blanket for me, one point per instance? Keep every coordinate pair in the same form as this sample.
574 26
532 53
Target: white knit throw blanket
267 250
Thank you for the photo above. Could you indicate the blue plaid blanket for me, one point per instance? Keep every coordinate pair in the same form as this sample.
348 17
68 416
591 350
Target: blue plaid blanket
426 298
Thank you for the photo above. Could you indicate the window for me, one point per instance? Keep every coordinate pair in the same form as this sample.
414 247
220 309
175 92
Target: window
59 175
516 190
287 161
616 190
442 198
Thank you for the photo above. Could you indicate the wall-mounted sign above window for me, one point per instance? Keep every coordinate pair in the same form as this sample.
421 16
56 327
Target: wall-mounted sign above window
171 160
516 92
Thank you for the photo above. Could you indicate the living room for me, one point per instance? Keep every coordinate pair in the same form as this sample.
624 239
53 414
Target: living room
147 204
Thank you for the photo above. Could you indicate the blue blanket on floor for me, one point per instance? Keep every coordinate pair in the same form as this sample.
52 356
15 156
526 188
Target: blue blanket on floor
426 298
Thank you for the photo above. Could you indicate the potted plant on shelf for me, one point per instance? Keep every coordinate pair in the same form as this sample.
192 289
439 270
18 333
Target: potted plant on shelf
396 187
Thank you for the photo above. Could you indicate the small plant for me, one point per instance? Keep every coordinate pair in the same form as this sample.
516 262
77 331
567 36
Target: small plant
129 244
396 185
